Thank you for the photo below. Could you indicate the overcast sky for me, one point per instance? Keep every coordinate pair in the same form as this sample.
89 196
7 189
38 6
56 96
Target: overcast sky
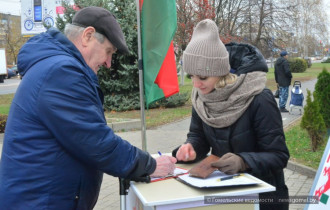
12 7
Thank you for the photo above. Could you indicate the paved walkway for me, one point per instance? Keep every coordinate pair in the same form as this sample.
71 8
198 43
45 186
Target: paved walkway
299 179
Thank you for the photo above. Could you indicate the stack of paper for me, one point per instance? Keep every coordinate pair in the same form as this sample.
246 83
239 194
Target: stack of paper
218 179
176 173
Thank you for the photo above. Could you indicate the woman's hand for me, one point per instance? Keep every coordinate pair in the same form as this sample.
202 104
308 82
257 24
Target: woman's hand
230 163
186 153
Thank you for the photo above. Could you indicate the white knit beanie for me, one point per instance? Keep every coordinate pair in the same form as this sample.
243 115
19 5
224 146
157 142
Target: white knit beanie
205 54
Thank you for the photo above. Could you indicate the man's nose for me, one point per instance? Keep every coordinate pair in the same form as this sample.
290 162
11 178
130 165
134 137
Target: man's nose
108 62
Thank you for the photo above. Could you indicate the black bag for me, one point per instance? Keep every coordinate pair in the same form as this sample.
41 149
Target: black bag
277 93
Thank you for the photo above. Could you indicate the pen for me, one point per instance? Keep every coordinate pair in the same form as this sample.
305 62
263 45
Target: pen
229 177
160 153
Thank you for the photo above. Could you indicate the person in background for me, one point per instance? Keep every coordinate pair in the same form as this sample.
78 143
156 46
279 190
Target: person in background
235 117
283 78
57 144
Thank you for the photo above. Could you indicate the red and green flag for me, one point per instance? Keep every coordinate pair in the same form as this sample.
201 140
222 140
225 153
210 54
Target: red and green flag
159 23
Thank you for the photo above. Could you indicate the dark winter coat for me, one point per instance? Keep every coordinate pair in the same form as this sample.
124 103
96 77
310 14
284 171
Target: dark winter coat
57 143
244 58
257 136
282 72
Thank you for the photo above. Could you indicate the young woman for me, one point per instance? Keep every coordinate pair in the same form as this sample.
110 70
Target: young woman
235 117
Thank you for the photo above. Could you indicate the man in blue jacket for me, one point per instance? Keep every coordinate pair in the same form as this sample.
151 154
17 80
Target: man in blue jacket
283 78
57 143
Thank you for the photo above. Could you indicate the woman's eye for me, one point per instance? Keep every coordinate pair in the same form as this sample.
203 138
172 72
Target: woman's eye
203 78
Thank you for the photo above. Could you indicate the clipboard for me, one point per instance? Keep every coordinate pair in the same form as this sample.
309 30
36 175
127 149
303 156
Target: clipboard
214 180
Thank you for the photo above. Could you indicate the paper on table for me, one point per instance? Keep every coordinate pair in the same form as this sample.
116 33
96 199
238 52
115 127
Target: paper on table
177 171
214 180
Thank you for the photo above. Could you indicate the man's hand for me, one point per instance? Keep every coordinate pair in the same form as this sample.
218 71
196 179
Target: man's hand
186 153
230 163
165 166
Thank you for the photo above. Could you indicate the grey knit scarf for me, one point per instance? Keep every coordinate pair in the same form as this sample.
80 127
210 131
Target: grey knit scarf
222 107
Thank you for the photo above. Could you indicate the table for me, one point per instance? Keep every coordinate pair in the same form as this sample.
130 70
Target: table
172 194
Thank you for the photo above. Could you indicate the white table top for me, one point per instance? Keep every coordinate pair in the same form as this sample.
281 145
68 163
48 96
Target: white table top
172 191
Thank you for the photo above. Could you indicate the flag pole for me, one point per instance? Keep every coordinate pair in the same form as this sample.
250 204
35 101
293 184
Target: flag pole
140 66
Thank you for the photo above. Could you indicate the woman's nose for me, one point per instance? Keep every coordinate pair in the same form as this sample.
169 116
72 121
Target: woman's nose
196 83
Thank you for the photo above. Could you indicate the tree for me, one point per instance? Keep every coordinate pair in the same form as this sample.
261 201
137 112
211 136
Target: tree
313 122
12 36
120 84
311 22
189 13
204 10
322 92
230 16
185 16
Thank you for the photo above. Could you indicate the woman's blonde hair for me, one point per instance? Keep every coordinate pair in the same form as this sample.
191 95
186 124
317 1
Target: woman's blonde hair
226 80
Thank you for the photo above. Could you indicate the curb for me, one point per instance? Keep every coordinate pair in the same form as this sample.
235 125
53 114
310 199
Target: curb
285 128
125 125
305 170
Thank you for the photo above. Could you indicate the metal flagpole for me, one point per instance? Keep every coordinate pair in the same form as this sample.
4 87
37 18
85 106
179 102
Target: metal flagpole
124 184
140 66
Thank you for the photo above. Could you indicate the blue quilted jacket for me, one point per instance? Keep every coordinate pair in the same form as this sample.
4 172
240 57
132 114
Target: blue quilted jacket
57 143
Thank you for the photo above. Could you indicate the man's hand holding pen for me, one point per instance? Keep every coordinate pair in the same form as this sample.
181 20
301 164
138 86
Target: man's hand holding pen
165 166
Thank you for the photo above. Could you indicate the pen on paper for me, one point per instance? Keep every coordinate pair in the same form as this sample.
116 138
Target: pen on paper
159 153
229 177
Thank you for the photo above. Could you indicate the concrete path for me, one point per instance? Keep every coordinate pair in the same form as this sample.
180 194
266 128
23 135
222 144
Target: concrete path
299 178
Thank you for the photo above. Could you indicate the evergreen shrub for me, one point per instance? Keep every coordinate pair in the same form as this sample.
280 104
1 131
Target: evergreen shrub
171 102
313 122
297 65
322 92
326 61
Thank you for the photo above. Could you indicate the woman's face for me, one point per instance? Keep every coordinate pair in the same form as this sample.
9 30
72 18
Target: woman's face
204 84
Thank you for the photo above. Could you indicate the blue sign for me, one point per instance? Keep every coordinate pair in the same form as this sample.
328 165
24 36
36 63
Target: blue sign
37 13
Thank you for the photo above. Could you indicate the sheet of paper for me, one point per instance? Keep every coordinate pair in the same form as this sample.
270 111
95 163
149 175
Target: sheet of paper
177 171
214 180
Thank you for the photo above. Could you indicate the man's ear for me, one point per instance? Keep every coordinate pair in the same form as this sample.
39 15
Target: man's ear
87 35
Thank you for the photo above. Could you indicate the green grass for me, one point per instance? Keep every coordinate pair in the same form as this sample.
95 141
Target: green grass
5 101
299 145
155 117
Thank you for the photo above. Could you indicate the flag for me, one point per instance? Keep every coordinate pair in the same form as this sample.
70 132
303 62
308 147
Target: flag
159 23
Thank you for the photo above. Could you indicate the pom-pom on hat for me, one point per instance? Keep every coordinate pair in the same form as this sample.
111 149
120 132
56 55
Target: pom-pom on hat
205 54
104 22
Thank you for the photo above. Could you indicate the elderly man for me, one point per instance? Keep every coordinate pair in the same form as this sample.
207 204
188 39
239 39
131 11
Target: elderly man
57 143
283 78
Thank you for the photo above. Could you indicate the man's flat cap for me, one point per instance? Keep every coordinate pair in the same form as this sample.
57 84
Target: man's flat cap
104 22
